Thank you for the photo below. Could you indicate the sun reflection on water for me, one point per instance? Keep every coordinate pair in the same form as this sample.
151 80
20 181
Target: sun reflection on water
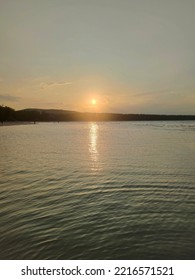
93 150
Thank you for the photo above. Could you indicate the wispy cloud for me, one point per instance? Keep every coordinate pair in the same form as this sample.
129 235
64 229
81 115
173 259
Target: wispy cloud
54 84
10 98
166 92
154 92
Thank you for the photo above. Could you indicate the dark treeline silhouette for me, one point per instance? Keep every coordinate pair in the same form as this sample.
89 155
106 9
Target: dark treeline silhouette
52 115
6 114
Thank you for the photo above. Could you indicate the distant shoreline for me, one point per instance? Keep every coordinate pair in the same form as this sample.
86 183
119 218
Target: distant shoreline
16 123
13 123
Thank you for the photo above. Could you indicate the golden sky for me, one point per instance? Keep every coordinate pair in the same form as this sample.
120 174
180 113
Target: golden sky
129 56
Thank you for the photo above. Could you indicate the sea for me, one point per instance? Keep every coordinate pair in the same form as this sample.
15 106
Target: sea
97 191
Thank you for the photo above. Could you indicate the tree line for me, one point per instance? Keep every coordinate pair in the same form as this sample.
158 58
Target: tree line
8 114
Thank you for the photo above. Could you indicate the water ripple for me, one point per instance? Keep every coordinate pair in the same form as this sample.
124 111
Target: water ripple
98 191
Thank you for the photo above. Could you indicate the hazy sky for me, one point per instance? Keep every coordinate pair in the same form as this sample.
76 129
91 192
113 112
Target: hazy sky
132 56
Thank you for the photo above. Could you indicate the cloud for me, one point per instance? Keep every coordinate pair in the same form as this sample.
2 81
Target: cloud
54 84
146 93
10 98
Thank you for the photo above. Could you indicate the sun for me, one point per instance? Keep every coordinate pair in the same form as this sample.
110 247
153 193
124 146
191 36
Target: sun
93 101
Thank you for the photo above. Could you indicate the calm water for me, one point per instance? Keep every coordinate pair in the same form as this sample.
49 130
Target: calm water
121 190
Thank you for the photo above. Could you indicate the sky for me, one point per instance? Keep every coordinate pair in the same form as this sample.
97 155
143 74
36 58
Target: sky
130 56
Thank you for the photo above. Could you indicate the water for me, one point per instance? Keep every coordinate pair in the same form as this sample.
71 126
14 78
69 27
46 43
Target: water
121 190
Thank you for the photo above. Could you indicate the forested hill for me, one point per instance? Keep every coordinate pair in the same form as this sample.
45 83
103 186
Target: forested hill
54 115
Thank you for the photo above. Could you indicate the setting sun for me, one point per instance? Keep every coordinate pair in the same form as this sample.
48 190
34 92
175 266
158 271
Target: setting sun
93 101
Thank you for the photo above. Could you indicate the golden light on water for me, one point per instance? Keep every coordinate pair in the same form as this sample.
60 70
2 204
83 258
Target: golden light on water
93 150
93 133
